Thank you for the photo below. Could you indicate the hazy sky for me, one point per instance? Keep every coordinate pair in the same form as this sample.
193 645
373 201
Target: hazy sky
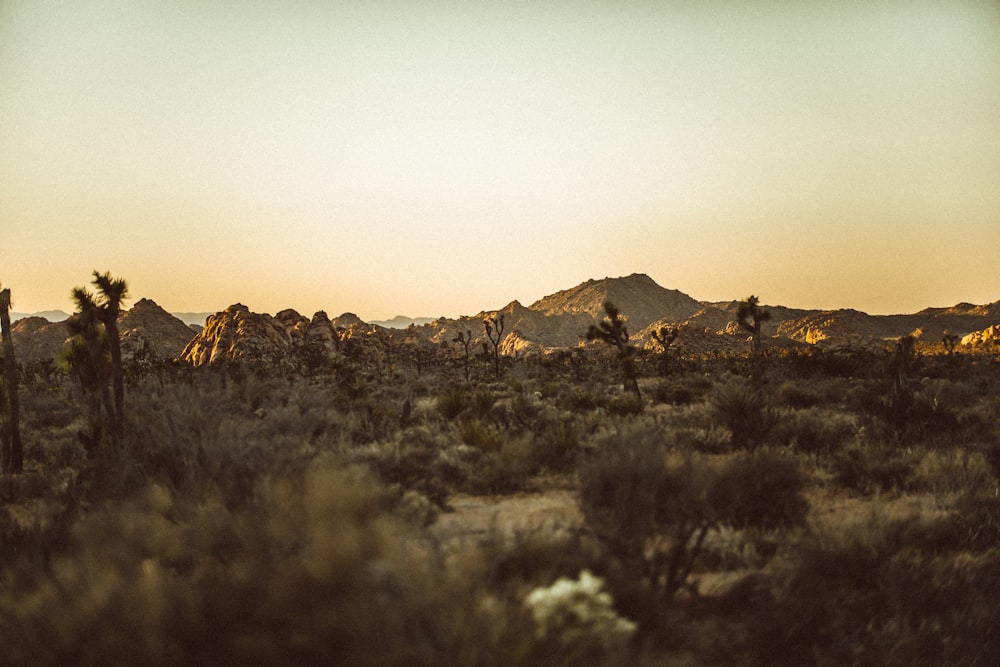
440 158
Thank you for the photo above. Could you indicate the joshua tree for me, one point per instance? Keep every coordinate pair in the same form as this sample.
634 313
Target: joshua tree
493 326
13 452
113 292
750 316
465 340
85 358
94 355
950 341
613 331
664 336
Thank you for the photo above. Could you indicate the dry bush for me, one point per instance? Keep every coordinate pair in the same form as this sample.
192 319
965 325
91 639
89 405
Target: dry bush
868 467
878 592
794 395
654 511
814 431
952 471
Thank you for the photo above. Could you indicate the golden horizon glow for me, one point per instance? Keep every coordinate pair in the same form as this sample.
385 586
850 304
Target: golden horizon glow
442 159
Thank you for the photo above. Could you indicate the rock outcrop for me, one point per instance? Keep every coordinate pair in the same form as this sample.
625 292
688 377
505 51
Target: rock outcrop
237 335
988 336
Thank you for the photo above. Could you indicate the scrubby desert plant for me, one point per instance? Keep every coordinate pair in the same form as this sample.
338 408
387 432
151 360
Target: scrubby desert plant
744 410
879 592
654 510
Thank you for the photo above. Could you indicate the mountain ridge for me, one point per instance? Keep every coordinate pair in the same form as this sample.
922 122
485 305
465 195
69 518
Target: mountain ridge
558 320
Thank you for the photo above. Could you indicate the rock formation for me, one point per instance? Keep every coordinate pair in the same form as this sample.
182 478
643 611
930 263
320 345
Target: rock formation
988 336
147 325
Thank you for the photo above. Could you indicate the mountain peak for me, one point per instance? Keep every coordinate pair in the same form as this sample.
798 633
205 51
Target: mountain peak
637 296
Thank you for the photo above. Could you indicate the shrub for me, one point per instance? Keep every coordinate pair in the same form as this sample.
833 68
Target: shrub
951 471
452 402
654 514
761 489
871 467
626 405
873 593
793 395
744 410
813 431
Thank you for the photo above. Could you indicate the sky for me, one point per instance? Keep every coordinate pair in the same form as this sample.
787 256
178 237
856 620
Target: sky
443 158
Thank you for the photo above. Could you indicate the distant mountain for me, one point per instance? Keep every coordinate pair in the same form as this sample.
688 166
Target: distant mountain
637 296
144 325
559 320
50 315
197 319
402 322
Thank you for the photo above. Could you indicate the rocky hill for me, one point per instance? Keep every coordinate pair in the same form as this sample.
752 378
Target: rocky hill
143 325
637 296
36 338
147 325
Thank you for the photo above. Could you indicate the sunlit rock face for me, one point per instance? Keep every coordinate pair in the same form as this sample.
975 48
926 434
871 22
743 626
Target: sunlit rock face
147 326
236 334
988 336
239 335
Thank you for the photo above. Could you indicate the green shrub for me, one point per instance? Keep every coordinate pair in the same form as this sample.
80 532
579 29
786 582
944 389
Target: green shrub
654 510
873 593
452 402
793 395
626 405
743 409
871 467
761 489
951 471
813 431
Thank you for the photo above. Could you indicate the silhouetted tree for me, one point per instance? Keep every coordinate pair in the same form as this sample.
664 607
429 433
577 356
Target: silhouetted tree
613 331
13 451
113 292
664 336
950 341
86 358
750 316
493 326
465 340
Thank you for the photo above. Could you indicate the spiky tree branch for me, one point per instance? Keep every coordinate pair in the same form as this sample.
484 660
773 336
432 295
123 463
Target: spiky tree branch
493 327
465 340
613 331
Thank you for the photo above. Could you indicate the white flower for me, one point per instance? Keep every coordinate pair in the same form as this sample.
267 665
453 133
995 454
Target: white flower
572 611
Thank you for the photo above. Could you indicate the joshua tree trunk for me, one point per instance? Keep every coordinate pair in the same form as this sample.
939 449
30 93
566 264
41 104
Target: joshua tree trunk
117 377
13 451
